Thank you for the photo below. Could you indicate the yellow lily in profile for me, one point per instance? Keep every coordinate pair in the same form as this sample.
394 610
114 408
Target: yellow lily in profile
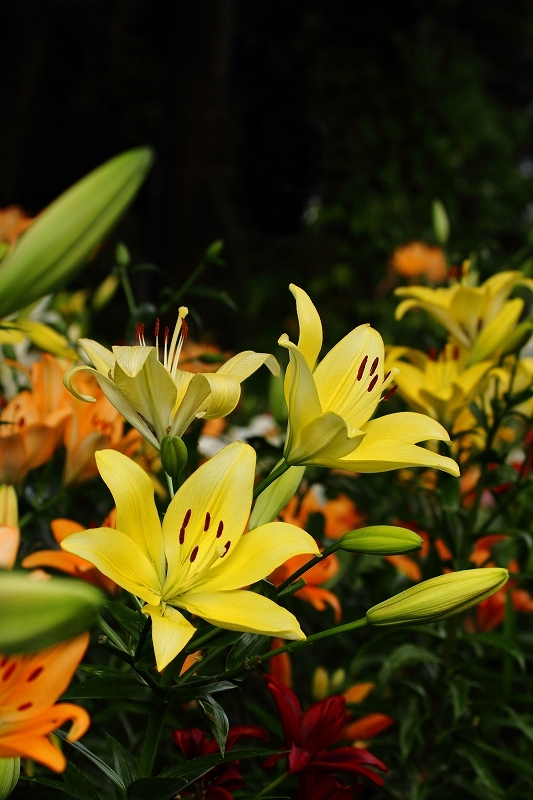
440 387
477 317
157 397
198 560
330 406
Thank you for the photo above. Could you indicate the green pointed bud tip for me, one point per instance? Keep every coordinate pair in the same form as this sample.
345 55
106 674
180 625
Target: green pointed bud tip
214 250
122 255
439 597
39 613
441 223
9 775
173 455
518 338
381 540
66 234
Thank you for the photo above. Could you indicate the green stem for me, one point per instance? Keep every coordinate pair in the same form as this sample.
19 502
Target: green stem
288 648
128 291
156 720
280 469
198 666
196 644
308 565
31 515
185 286
112 636
170 485
142 638
275 783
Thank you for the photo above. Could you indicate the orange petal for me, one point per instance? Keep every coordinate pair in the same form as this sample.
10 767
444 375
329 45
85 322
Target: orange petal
280 667
367 727
406 566
9 545
320 598
358 692
64 527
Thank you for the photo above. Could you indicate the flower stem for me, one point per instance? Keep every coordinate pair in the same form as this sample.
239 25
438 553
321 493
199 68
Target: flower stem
275 783
128 291
288 648
276 473
156 720
170 485
308 565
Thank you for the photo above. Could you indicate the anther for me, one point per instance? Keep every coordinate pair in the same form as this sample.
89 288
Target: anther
194 554
34 674
167 334
156 327
386 376
432 353
184 524
226 548
139 333
456 352
220 529
390 393
207 522
374 366
184 332
9 671
372 383
24 706
362 368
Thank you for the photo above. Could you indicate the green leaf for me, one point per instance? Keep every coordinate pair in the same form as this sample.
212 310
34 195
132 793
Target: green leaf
218 720
110 773
185 693
484 774
101 671
101 688
169 783
131 620
74 783
247 650
503 755
124 763
459 688
405 654
502 643
67 232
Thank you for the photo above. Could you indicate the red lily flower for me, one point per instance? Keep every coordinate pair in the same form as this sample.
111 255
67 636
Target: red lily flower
219 782
322 787
309 735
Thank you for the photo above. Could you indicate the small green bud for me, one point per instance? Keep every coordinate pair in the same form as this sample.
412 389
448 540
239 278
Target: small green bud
38 613
214 251
519 337
104 292
122 255
381 540
9 775
441 223
173 455
439 597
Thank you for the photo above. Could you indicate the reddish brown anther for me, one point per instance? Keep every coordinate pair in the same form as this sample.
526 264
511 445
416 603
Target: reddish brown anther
362 368
220 529
207 522
372 383
194 554
374 366
390 393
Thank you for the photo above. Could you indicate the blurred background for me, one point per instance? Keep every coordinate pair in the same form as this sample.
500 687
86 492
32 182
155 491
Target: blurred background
311 137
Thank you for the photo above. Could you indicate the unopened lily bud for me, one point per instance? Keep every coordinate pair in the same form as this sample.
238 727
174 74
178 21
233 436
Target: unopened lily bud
519 337
439 597
338 678
275 497
381 540
320 685
441 223
104 293
9 513
9 775
173 455
38 613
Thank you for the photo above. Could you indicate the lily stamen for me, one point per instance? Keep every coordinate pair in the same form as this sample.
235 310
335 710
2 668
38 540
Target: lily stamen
362 368
374 366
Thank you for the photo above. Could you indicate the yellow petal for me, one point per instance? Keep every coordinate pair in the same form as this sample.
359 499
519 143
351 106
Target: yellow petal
244 364
257 554
146 385
210 509
198 388
137 516
170 633
243 611
326 435
300 392
224 396
310 340
103 359
118 557
45 337
497 331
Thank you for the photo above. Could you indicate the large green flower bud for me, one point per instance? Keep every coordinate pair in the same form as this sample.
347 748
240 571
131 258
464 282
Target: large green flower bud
9 775
381 540
173 455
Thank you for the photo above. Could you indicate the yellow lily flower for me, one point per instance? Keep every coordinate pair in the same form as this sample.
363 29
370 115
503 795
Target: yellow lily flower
156 397
198 560
440 387
330 406
477 317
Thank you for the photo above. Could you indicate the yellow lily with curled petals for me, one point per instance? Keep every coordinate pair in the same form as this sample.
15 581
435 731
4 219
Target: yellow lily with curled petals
477 317
440 387
157 397
198 560
330 405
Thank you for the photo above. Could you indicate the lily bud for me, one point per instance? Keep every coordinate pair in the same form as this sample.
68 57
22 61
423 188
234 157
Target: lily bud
9 775
173 455
439 597
9 513
381 540
320 684
67 232
275 497
441 223
38 613
104 292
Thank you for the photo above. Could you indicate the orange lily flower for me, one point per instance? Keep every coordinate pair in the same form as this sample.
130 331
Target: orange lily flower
69 563
33 422
409 566
368 726
317 575
29 687
340 514
417 258
491 612
91 427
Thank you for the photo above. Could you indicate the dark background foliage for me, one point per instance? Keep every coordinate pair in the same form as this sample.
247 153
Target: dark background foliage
310 136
